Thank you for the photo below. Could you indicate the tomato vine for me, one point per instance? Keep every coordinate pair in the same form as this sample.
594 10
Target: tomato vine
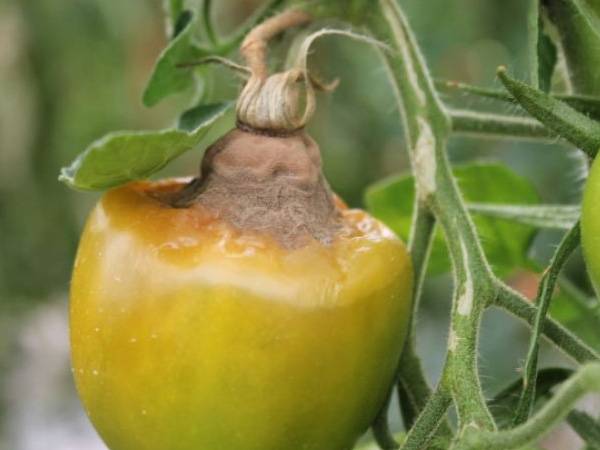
428 123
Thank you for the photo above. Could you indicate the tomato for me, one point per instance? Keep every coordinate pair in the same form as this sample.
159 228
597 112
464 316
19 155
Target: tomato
590 224
188 333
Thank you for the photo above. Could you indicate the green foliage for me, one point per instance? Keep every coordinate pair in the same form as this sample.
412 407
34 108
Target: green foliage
174 9
504 207
126 156
548 57
505 242
586 427
504 404
543 54
578 25
568 123
567 246
167 77
578 312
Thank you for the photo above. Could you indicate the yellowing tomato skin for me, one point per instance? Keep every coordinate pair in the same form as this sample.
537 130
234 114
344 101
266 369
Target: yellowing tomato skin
189 335
590 224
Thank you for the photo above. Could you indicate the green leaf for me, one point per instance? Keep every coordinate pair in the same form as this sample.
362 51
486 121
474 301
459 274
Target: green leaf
505 243
184 19
167 78
577 311
543 54
560 217
557 115
578 26
585 104
126 156
193 118
586 427
547 59
173 9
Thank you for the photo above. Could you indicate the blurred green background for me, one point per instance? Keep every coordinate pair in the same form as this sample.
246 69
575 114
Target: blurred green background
72 70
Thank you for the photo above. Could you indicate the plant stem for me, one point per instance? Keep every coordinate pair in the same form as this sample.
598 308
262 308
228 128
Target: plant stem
207 21
533 21
546 288
381 429
586 104
562 338
423 431
586 379
412 382
587 427
560 217
489 125
233 42
426 125
557 115
452 87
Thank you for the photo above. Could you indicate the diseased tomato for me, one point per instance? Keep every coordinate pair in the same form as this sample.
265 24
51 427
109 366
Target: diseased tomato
198 328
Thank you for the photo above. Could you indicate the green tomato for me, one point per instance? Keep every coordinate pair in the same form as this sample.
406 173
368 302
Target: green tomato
590 224
188 334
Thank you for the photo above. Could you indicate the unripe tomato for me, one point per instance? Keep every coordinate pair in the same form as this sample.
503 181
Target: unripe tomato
189 333
590 224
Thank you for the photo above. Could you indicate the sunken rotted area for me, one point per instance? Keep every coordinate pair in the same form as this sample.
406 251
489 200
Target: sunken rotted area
268 184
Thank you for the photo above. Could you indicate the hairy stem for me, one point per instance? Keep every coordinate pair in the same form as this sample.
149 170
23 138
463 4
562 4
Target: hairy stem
562 338
586 379
259 17
426 425
254 47
489 125
546 288
587 104
427 128
412 382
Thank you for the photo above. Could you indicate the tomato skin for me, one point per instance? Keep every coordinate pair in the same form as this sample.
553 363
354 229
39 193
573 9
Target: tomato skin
189 335
590 224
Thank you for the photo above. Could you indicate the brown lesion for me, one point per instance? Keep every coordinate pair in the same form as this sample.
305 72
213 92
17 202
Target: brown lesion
265 184
267 179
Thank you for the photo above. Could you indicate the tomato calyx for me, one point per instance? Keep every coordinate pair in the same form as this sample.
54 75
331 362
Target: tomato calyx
265 183
269 132
265 174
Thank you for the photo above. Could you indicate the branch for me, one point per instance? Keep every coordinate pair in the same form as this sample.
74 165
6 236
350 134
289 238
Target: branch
489 125
562 338
586 104
565 121
426 425
413 387
546 288
412 382
426 126
560 217
585 380
587 427
254 47
235 40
